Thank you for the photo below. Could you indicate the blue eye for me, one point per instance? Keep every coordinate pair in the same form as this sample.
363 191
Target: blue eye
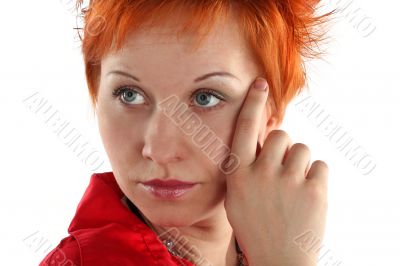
203 97
207 96
127 95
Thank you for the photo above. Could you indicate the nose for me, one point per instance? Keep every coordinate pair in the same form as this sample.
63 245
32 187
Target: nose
164 142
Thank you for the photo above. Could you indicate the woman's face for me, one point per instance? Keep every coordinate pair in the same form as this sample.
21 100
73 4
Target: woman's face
143 143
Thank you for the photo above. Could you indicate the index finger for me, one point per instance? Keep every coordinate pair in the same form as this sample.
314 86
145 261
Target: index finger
244 143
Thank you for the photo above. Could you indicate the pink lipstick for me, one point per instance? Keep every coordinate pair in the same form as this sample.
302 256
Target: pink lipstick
167 189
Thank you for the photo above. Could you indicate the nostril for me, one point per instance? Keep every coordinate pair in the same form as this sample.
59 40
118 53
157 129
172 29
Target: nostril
162 153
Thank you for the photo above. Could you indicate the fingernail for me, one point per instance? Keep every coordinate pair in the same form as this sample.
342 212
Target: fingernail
260 84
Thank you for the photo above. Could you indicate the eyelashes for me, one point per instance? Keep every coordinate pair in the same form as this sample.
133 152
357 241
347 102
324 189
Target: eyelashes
123 92
127 94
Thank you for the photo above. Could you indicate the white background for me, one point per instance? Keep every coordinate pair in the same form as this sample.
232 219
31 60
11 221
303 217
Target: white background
43 180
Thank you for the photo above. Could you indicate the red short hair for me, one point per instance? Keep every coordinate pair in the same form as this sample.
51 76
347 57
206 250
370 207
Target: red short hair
281 34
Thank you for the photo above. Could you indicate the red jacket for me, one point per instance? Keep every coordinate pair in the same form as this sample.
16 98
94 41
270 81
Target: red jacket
105 232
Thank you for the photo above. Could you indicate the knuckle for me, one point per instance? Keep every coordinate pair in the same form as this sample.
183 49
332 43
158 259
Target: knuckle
279 134
290 183
316 192
266 169
301 146
245 124
290 173
321 165
319 168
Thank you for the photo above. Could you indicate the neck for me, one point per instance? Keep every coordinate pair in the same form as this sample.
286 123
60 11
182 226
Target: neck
203 242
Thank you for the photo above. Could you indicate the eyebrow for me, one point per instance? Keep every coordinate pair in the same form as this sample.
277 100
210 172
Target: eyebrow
206 76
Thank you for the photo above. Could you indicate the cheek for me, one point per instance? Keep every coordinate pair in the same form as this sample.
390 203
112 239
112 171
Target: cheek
220 127
223 125
119 135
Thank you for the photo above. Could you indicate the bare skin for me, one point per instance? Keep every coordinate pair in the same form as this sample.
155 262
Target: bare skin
274 197
142 144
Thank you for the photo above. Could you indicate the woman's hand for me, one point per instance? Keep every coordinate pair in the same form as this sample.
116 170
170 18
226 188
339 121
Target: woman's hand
276 198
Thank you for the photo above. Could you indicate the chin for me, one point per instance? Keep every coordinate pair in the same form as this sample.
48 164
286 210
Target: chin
170 219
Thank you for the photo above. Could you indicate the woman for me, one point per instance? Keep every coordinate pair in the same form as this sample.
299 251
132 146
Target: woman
189 97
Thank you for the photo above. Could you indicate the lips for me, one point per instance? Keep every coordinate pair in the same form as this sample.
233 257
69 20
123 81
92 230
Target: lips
168 189
171 183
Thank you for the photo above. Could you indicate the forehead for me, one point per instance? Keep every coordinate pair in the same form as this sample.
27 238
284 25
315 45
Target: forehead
222 46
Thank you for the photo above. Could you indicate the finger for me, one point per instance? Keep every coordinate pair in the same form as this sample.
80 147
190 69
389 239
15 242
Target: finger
318 173
244 142
275 148
296 163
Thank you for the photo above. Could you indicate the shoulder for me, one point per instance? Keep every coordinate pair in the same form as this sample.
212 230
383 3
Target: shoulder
108 245
111 245
66 253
